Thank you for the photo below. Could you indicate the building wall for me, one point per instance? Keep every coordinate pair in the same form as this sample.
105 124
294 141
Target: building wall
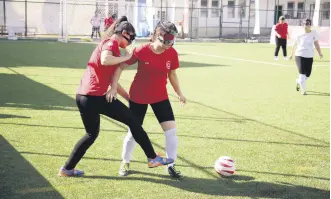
207 15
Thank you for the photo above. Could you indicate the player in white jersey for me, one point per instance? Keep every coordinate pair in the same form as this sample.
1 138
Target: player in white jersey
304 52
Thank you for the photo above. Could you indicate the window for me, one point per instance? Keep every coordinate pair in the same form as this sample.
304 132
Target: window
311 10
215 8
290 10
301 10
242 8
162 17
112 8
326 10
231 9
300 6
204 9
204 3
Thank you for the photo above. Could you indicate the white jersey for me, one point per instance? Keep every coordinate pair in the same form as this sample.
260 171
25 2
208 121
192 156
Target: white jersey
305 44
96 21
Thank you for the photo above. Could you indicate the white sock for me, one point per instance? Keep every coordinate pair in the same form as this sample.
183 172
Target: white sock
302 81
171 144
128 147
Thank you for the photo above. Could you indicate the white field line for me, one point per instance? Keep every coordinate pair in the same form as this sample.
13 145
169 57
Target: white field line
246 60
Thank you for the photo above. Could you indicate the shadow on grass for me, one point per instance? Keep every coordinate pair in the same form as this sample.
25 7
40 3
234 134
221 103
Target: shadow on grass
318 93
235 186
28 93
178 165
4 116
19 179
180 135
283 130
58 55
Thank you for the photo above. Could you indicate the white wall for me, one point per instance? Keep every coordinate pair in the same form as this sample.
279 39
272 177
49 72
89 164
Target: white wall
208 26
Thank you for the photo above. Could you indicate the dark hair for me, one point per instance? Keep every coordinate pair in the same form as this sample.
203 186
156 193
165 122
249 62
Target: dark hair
306 21
281 18
114 16
119 26
165 26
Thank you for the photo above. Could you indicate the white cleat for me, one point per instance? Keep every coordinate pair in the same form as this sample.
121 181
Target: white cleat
276 58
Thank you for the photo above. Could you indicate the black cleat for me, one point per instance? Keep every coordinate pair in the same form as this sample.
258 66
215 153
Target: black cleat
298 87
174 173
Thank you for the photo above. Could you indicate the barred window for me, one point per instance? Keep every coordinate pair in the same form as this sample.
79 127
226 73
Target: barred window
290 10
242 9
215 8
301 10
231 9
326 10
204 9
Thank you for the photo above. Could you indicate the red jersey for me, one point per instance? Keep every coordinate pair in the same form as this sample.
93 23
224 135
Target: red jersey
97 77
282 30
108 22
149 84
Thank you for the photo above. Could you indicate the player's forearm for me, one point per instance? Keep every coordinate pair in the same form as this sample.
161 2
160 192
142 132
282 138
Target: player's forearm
116 77
109 60
318 48
175 82
122 92
277 34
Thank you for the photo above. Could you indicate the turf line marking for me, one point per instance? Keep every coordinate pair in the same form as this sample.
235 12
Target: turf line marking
245 60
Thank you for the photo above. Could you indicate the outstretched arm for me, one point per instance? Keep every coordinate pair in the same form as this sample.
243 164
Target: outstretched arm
172 75
115 86
107 58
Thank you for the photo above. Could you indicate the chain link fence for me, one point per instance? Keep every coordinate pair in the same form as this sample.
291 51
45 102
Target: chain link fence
42 17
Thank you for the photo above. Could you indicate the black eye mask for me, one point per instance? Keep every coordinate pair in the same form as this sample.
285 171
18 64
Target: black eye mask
132 38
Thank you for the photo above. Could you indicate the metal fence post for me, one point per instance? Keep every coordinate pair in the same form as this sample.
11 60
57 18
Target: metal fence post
26 18
191 31
4 13
221 18
249 18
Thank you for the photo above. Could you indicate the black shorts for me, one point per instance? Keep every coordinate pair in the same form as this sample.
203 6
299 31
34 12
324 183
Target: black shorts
304 65
162 110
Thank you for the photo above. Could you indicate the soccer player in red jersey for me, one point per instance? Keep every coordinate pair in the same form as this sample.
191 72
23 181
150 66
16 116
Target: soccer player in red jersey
281 31
93 99
157 62
109 21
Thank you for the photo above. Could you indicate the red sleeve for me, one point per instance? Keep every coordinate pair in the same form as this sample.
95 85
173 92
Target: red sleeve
277 27
137 52
132 60
110 22
175 61
110 46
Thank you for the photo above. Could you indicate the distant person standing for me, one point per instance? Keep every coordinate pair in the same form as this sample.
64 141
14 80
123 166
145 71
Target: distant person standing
109 21
96 22
281 31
